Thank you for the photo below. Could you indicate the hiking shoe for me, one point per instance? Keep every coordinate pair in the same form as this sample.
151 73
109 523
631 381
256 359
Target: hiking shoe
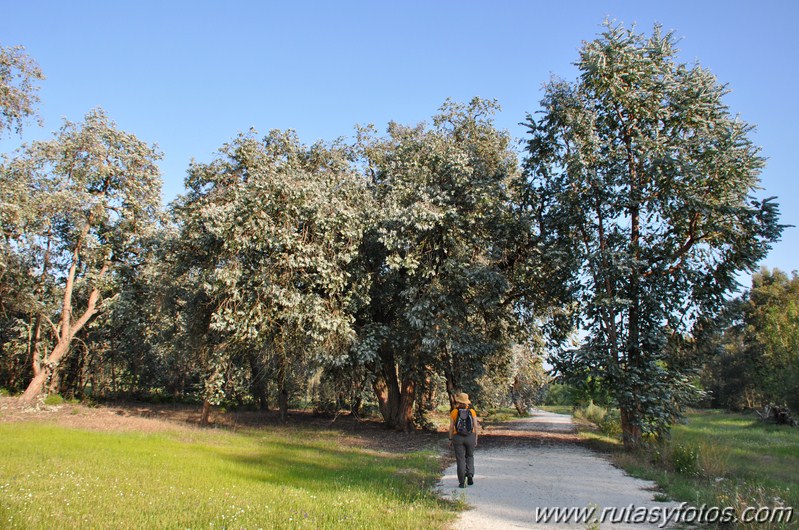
469 480
461 485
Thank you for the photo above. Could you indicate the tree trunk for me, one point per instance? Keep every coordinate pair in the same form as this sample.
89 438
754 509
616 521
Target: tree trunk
67 328
451 389
355 406
36 385
407 398
258 387
631 416
33 347
206 413
55 383
380 388
630 429
283 404
282 391
387 389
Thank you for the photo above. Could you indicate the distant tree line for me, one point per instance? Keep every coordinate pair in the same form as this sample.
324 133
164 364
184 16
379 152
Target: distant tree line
402 267
756 357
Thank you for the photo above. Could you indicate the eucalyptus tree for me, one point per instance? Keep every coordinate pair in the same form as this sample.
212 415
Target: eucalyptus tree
84 200
445 251
125 350
18 76
648 181
273 227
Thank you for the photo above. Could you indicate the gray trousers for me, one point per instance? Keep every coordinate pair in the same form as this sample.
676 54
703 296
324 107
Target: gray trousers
464 454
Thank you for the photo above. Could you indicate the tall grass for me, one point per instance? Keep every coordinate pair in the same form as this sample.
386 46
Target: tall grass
725 460
56 477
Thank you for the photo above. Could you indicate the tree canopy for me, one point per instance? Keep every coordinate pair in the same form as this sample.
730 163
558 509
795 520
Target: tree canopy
452 254
77 208
648 180
757 359
18 99
410 264
269 231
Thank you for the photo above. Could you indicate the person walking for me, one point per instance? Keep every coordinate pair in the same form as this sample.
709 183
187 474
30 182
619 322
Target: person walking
463 426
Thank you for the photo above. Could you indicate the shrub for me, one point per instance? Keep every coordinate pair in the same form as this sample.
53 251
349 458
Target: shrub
685 459
611 424
54 399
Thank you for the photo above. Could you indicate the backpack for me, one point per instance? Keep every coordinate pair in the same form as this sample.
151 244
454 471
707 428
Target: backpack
464 423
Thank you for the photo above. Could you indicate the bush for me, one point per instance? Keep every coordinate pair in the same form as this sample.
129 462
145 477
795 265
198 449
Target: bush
607 420
685 459
594 413
611 424
54 399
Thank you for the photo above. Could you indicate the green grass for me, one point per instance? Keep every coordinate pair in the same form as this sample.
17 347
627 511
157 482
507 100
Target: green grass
741 461
57 477
558 409
720 459
499 415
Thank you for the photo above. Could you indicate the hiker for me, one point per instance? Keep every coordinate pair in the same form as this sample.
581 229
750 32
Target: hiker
463 427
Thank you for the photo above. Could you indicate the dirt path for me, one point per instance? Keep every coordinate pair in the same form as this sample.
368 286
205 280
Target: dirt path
534 464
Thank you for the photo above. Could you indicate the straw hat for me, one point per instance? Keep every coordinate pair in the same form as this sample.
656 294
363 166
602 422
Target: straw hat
462 398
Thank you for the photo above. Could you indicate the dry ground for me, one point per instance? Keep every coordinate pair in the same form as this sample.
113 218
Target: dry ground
148 417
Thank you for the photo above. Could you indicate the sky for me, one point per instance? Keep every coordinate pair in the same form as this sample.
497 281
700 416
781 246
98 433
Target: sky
190 75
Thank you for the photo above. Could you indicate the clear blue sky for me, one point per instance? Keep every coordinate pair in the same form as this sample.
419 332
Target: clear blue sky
189 75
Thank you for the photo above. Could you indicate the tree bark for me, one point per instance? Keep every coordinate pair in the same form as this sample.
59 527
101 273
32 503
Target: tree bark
395 400
67 328
206 413
282 391
451 388
67 331
407 398
259 383
380 389
630 428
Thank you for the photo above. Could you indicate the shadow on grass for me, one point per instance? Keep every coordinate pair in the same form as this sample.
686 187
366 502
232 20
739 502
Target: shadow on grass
326 467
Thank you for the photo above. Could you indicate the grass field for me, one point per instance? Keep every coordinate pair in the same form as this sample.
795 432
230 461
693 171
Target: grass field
55 476
725 460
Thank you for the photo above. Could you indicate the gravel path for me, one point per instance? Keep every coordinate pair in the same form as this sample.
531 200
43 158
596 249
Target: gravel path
533 464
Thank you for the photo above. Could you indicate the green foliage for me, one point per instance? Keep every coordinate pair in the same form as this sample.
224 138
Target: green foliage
54 399
559 394
18 75
644 182
451 256
409 263
759 360
74 209
607 420
685 459
523 383
591 412
269 231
